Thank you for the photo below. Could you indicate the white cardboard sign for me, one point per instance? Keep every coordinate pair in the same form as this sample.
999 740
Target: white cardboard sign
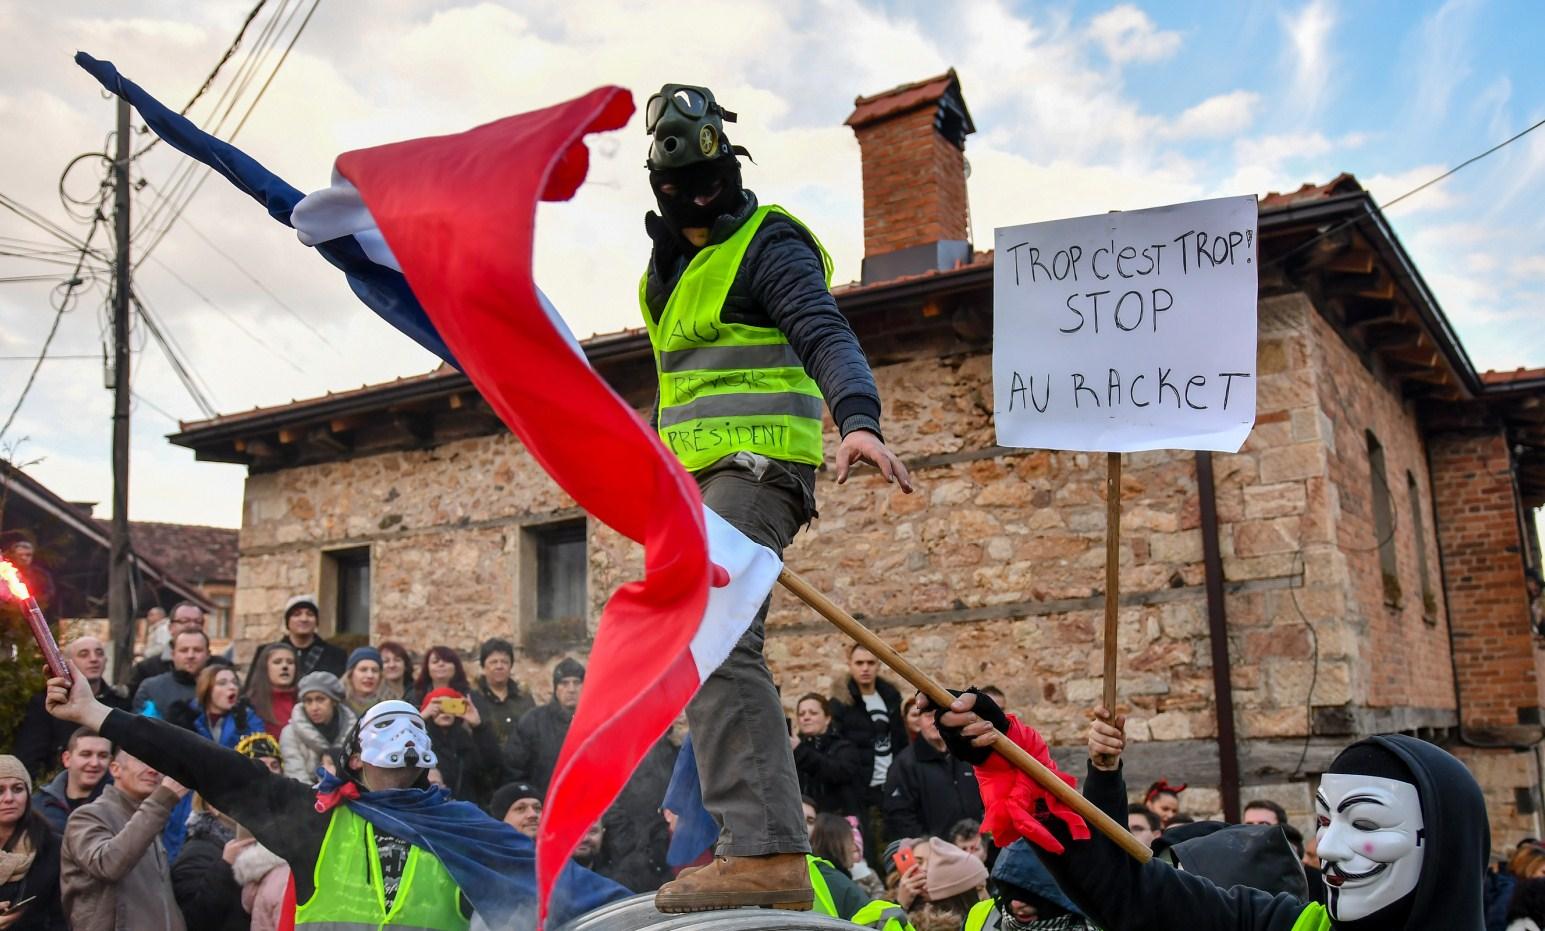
1127 330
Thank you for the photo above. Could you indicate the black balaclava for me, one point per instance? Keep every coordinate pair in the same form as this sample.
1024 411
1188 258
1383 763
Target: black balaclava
680 210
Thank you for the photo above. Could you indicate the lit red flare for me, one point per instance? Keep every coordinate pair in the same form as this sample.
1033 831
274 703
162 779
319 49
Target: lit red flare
29 606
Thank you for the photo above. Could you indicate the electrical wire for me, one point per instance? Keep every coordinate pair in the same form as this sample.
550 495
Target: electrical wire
1390 203
173 357
274 350
205 174
213 73
251 277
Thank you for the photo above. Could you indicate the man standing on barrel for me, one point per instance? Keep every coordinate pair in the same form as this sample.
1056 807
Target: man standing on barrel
748 346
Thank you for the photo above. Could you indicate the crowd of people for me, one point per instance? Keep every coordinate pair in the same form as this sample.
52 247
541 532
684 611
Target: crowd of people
95 837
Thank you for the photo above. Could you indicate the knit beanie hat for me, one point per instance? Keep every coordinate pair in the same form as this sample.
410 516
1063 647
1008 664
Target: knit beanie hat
361 654
508 794
319 681
12 768
308 600
435 694
568 668
951 870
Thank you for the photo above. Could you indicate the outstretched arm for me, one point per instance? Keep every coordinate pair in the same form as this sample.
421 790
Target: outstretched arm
279 812
1113 889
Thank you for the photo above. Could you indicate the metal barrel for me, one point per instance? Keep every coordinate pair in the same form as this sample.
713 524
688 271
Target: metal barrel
639 914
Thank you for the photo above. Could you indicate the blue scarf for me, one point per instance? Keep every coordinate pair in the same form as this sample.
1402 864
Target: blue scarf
494 864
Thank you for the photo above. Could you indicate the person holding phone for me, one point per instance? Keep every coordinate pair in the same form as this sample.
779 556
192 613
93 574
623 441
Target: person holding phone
319 723
469 759
29 857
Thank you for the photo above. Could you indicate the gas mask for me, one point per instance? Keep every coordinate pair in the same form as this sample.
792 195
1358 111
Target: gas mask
391 735
1371 836
687 127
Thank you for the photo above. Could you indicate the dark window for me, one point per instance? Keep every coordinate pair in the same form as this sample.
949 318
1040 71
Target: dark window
555 604
352 609
1419 531
220 623
1383 521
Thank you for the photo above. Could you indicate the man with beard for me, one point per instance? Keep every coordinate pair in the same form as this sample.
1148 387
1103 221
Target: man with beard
1402 830
41 737
749 349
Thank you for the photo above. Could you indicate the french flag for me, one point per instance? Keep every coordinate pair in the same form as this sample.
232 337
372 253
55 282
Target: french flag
435 235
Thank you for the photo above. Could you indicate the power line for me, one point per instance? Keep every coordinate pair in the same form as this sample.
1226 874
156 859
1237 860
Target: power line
178 366
277 353
193 167
251 277
1390 203
213 73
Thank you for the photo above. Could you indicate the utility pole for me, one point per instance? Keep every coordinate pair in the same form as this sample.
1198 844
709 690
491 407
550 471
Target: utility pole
120 592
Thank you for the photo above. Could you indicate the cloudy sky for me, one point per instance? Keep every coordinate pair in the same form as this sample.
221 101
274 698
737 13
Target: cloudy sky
1080 107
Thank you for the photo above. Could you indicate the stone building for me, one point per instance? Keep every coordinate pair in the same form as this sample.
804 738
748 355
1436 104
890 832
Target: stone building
1359 566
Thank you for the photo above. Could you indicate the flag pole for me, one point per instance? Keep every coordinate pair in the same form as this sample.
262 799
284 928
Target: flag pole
920 680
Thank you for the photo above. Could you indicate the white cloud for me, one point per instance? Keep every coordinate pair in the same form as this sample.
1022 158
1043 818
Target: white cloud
1308 53
1127 35
1221 116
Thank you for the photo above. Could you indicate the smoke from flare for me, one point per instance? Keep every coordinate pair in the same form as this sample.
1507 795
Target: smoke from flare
12 580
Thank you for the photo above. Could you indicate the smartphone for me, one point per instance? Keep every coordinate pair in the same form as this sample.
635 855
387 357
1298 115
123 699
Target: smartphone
454 706
16 905
904 860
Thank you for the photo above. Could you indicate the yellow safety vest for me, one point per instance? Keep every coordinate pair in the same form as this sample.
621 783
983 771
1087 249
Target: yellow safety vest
351 896
976 919
730 387
1313 918
880 914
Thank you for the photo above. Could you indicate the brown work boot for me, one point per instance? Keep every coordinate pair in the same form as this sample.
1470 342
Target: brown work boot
780 880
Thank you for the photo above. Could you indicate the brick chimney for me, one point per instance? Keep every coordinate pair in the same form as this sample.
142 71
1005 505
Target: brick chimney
912 140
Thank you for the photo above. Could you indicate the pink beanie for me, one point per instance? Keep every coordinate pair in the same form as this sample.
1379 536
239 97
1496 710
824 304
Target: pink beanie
951 870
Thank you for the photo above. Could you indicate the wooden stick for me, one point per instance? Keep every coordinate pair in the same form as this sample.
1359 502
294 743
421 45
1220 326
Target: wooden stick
1112 572
920 680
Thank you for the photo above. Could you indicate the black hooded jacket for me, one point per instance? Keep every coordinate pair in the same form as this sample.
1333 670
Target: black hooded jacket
780 283
1121 894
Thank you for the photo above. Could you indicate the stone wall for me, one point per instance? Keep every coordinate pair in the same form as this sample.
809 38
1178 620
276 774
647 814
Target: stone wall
991 573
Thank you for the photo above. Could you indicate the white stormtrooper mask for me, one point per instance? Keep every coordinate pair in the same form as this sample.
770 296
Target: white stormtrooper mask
392 736
1371 836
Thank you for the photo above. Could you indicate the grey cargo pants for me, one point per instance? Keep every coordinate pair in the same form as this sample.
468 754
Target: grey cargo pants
737 722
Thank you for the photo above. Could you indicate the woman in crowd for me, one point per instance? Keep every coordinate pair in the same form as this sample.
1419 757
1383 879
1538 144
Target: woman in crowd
831 839
271 685
202 880
830 767
1163 800
396 671
953 882
362 679
29 856
442 669
320 723
220 713
469 763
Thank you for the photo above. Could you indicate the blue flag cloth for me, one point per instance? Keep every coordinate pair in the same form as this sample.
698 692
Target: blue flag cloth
382 288
492 863
696 832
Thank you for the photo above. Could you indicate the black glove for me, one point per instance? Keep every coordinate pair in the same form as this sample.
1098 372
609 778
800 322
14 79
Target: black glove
960 745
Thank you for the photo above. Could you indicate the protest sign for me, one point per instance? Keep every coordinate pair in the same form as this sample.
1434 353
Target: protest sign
1128 330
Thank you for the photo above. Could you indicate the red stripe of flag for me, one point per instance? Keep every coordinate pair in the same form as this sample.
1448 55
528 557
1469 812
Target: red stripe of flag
459 213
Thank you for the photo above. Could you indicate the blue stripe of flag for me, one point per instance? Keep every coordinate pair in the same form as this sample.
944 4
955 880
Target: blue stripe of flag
384 290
